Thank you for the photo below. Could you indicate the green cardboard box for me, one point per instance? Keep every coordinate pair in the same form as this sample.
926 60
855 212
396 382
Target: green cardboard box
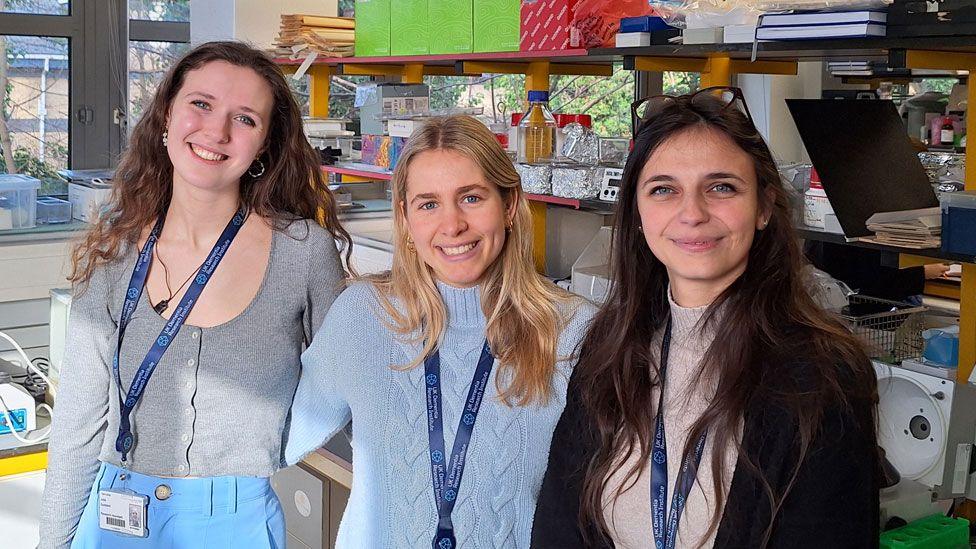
496 25
452 24
372 28
409 28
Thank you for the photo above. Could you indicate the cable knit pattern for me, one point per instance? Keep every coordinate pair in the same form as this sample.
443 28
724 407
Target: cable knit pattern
350 370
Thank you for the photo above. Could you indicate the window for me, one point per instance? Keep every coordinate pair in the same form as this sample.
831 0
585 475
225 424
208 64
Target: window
36 7
34 125
148 63
680 83
160 10
606 99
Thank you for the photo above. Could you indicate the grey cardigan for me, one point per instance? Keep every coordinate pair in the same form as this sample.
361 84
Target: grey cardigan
218 401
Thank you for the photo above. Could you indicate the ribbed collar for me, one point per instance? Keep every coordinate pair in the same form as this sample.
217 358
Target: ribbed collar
463 305
686 322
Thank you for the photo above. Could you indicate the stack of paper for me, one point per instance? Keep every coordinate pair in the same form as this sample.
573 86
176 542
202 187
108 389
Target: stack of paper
916 229
331 36
822 24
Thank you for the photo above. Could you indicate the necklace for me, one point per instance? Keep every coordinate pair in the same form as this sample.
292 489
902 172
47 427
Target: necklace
161 307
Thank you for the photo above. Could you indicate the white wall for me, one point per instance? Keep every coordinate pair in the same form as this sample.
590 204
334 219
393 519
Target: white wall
253 21
766 97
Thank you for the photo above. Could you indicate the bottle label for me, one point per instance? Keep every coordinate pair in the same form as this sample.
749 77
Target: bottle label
946 136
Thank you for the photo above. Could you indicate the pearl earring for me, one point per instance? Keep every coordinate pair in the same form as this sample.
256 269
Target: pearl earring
165 138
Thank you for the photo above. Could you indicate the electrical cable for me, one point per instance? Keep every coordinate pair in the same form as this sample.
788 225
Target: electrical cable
29 365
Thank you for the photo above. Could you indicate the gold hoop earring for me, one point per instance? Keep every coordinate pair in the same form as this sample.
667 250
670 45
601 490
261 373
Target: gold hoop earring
410 245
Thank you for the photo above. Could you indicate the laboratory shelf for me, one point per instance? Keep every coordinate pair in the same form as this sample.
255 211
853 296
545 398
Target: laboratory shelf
384 175
936 253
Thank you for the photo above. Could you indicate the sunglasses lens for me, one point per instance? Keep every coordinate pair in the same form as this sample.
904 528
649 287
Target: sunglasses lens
652 106
726 96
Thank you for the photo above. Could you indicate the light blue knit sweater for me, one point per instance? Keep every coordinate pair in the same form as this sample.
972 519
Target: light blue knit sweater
347 372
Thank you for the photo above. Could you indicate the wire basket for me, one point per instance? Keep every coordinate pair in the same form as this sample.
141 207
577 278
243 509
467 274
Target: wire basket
890 330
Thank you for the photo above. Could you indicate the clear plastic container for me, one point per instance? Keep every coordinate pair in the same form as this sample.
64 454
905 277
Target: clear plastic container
18 201
52 210
537 130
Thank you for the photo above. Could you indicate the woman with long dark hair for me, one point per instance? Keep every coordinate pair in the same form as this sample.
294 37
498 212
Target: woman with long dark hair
714 404
195 294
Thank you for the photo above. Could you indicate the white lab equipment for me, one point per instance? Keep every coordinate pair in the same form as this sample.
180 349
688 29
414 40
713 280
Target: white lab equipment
926 425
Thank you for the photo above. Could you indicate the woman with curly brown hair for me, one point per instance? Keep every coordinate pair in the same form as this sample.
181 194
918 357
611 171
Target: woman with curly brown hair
196 292
714 404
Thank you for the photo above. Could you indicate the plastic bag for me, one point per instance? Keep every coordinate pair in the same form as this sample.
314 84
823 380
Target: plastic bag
719 13
698 14
596 22
828 292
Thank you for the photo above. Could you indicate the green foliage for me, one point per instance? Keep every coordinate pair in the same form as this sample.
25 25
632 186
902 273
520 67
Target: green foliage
26 163
680 83
941 85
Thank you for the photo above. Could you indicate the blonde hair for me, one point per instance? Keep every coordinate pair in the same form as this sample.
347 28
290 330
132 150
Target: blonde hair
524 321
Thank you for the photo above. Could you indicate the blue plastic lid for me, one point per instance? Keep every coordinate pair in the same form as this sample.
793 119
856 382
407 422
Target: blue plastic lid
536 96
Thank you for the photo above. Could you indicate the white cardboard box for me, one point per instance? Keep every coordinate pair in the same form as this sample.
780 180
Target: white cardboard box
633 39
703 36
403 128
87 201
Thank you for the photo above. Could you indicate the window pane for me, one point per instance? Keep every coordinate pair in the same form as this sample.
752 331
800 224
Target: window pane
34 125
36 7
159 10
148 63
606 99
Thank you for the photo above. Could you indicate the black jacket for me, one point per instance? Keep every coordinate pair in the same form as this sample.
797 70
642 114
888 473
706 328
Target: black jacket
833 502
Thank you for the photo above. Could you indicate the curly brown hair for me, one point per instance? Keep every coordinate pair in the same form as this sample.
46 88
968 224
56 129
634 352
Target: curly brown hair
292 186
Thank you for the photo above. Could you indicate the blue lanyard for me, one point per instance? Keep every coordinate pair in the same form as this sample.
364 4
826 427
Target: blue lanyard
666 536
123 443
447 479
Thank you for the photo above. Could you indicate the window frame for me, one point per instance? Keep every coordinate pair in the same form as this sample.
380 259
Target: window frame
96 49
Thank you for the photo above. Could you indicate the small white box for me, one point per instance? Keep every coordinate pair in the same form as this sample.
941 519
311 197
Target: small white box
87 200
739 34
703 36
403 128
633 39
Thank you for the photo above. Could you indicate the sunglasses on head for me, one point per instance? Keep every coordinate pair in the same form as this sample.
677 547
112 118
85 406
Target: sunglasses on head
647 108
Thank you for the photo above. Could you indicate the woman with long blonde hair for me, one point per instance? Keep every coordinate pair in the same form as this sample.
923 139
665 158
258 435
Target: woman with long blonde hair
453 365
196 292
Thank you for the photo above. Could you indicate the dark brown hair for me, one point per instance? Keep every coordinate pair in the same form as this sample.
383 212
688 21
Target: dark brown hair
292 186
764 312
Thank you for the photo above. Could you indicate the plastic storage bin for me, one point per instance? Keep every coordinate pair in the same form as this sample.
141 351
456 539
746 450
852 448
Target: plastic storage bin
18 201
958 222
591 271
52 210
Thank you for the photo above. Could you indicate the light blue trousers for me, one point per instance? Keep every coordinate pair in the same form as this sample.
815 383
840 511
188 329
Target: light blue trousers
211 513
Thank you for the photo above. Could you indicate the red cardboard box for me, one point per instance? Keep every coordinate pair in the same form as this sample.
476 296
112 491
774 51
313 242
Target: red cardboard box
546 25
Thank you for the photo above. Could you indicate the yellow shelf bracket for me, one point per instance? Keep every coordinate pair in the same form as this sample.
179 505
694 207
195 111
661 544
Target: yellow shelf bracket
940 60
413 73
538 210
967 291
320 81
501 67
717 72
781 68
662 64
537 76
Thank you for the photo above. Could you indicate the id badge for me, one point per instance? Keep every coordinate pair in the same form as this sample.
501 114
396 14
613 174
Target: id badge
123 512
